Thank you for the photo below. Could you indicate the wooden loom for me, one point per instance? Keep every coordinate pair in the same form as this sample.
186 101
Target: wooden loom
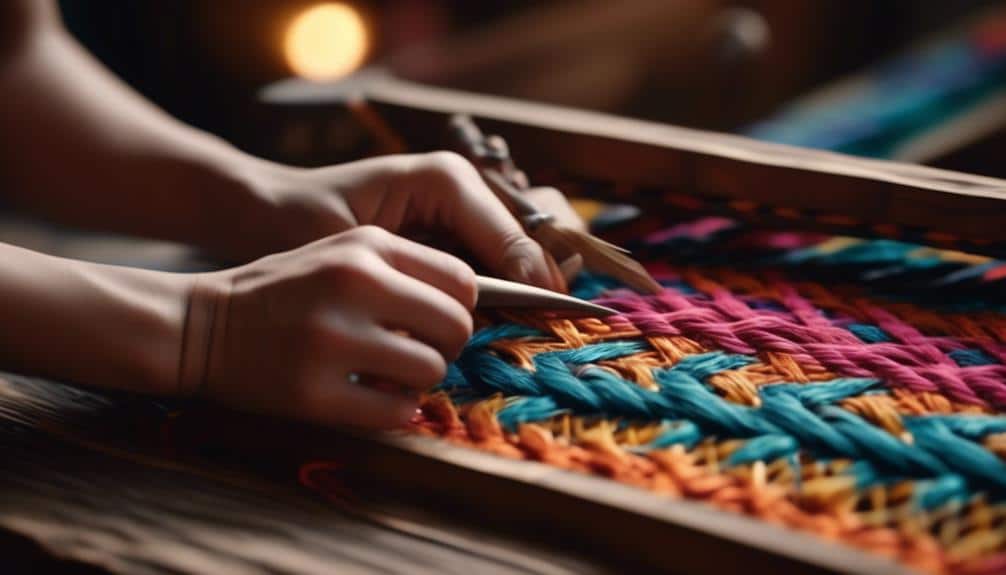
655 164
666 169
626 161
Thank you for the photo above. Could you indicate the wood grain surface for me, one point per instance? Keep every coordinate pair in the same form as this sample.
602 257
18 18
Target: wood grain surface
89 483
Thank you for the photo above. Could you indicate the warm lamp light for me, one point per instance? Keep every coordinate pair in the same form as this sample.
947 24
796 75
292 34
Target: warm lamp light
327 41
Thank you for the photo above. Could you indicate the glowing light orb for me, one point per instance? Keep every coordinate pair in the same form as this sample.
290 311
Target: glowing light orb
327 41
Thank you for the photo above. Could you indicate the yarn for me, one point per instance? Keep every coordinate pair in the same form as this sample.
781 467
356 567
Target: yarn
848 388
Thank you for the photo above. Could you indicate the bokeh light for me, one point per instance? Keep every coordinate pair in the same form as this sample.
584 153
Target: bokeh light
327 41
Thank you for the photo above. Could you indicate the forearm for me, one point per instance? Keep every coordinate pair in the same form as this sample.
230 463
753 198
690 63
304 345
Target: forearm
81 147
92 324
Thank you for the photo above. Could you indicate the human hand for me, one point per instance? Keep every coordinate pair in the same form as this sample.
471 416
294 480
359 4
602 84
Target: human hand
284 334
405 194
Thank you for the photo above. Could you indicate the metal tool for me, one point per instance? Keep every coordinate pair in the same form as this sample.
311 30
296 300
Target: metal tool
500 294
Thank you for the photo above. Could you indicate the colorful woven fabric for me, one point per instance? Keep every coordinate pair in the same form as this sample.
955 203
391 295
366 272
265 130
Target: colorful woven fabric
848 388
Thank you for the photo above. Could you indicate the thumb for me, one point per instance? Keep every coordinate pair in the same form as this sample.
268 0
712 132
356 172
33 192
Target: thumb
446 189
524 260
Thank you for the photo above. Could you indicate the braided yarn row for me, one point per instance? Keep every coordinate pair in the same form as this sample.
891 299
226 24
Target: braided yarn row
847 388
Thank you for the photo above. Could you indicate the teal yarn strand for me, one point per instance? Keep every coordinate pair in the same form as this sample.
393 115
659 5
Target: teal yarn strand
683 432
764 448
528 409
966 457
792 416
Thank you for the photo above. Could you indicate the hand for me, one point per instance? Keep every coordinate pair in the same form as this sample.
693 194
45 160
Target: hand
440 191
284 334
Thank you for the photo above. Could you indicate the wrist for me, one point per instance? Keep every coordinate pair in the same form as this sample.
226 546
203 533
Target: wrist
94 324
203 328
262 208
147 330
240 198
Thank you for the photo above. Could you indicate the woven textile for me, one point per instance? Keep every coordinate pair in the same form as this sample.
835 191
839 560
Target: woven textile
844 387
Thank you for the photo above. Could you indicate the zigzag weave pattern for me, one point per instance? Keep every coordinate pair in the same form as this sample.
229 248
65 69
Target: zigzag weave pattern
809 385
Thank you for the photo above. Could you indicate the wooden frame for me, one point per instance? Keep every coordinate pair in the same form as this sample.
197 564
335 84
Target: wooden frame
804 188
800 187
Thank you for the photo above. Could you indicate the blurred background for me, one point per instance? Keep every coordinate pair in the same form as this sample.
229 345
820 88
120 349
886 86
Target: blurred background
916 80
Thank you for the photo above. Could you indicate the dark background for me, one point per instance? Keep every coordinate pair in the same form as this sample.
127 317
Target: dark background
204 60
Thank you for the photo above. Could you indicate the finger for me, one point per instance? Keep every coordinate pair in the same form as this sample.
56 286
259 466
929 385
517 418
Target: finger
459 200
434 267
393 358
571 266
559 282
334 400
552 201
422 310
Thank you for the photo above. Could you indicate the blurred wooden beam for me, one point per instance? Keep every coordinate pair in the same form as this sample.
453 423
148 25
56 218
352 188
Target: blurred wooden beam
585 53
824 189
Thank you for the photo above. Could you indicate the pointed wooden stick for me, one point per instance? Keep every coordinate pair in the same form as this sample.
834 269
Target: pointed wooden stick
599 256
